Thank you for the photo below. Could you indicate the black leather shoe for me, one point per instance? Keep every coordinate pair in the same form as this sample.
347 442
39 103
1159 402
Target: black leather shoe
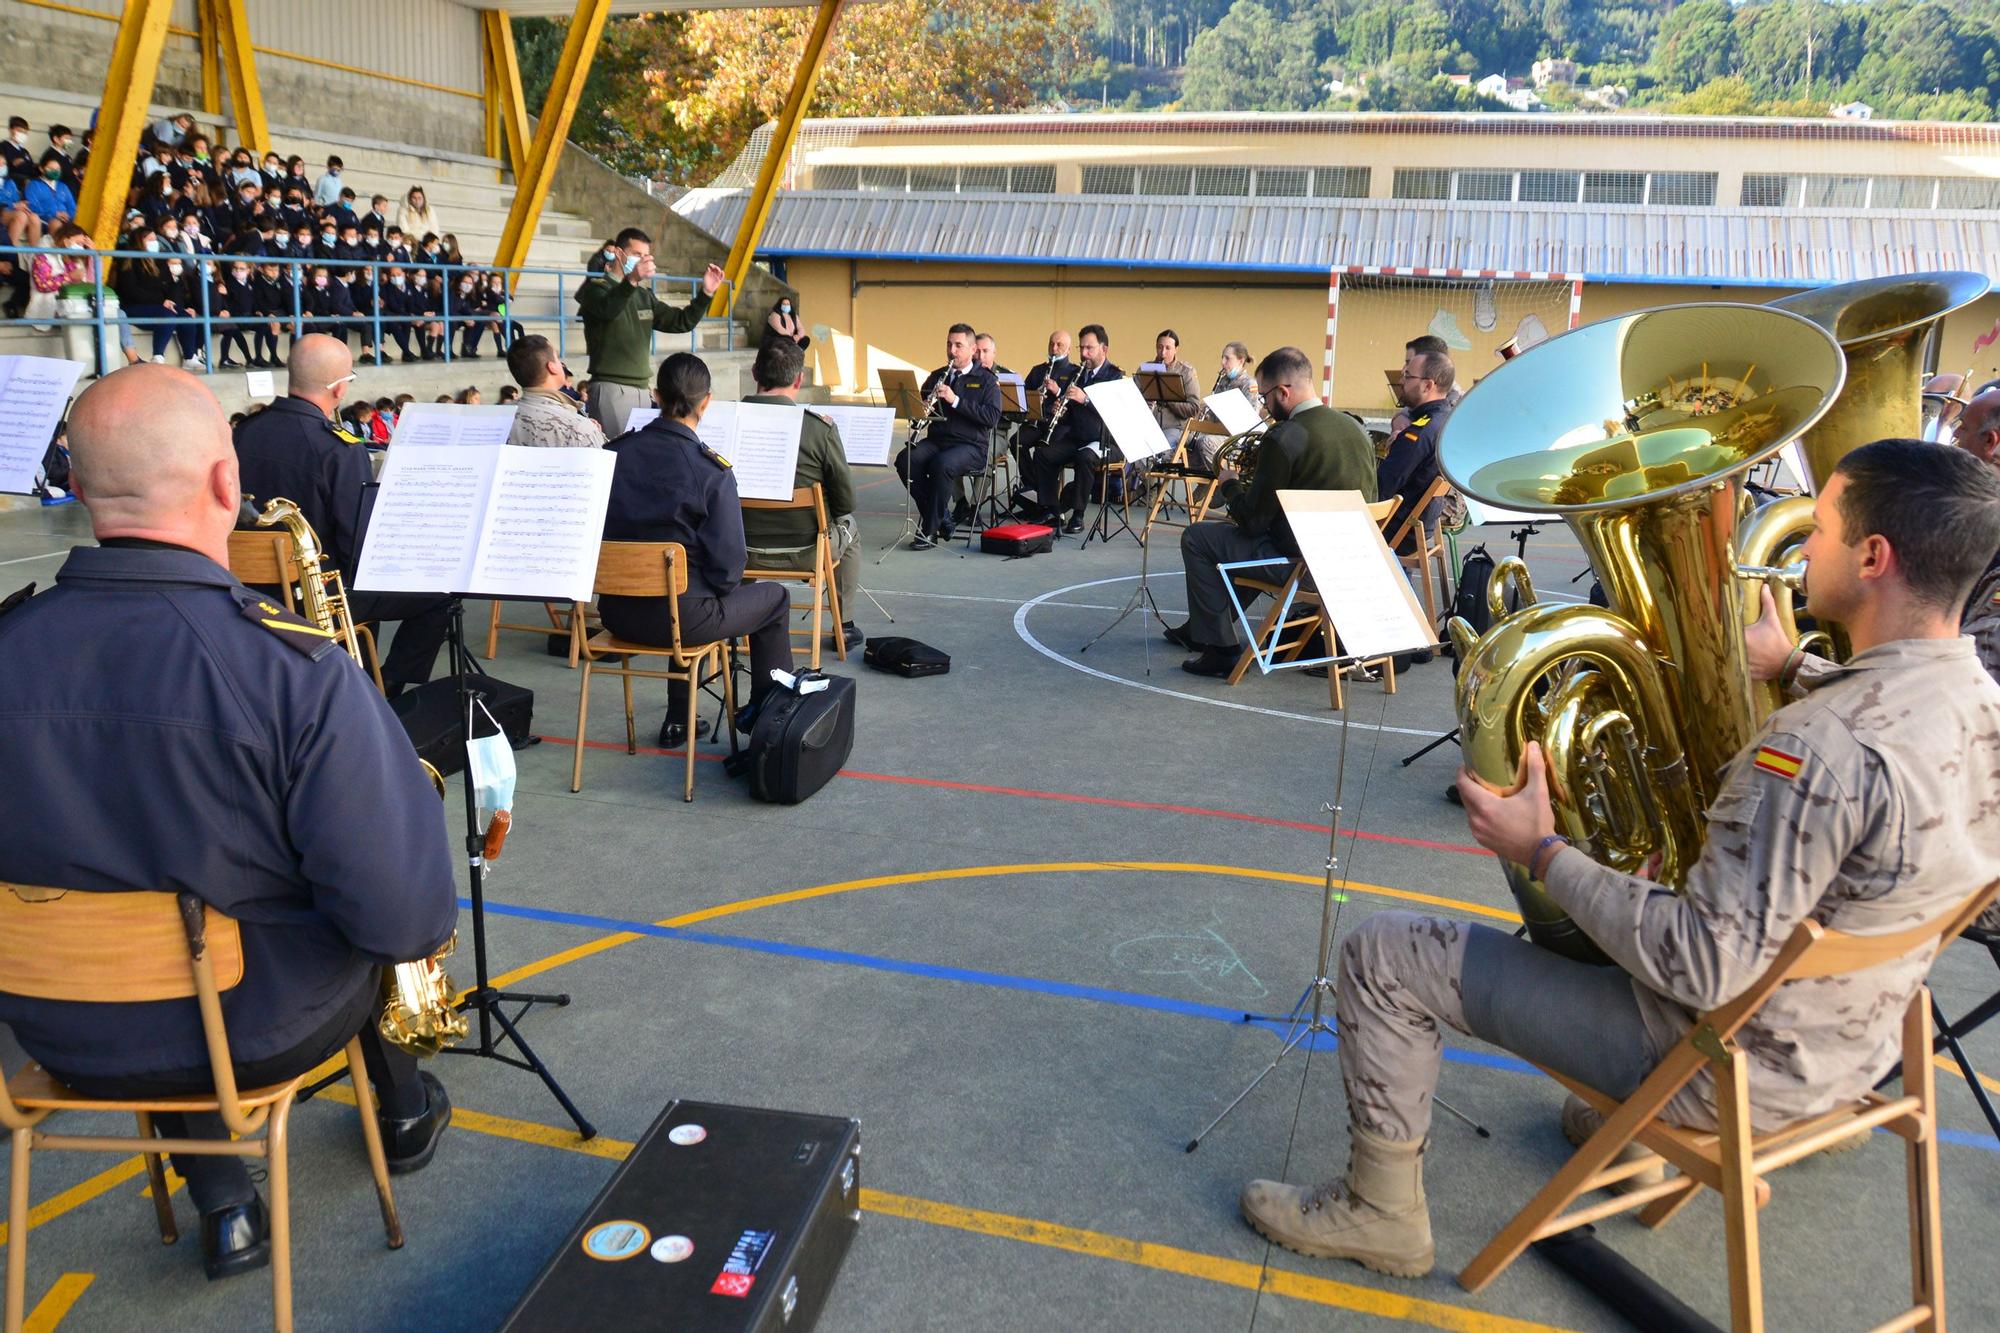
961 512
746 717
851 635
944 534
235 1240
673 733
922 542
1178 636
1210 662
410 1144
1075 524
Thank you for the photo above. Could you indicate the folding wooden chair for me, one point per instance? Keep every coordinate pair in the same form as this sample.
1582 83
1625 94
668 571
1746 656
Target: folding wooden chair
1307 616
265 558
115 948
1196 490
558 615
645 569
825 596
1429 549
1734 1160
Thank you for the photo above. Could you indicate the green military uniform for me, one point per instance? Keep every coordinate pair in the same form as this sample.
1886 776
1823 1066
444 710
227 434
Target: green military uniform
619 320
782 539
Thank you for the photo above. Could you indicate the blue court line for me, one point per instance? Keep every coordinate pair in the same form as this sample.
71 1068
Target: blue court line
1163 1004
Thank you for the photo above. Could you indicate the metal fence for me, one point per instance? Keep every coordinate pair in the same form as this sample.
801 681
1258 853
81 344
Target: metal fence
105 319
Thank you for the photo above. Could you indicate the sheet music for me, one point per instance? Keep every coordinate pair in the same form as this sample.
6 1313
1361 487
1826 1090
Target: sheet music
641 416
452 423
496 520
1232 408
1013 393
544 519
427 518
760 442
34 390
1127 419
1358 577
1151 368
867 434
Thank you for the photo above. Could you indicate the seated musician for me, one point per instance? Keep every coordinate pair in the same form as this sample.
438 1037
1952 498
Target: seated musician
779 539
965 406
1078 440
1412 463
670 487
266 776
1236 374
1186 388
986 357
296 449
1045 383
1851 807
1310 447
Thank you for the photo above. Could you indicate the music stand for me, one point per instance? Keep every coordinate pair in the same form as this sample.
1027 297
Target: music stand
901 392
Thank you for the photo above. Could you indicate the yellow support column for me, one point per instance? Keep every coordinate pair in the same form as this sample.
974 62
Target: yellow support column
507 110
121 119
211 71
239 61
757 211
538 171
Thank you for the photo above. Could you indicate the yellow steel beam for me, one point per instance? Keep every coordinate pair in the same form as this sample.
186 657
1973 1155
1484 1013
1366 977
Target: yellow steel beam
489 95
538 170
211 70
507 106
121 119
757 211
239 60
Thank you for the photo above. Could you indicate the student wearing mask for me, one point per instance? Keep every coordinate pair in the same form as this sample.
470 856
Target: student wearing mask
60 141
233 299
785 323
14 154
22 226
46 196
273 174
430 336
272 304
157 293
327 304
471 299
295 177
400 303
395 246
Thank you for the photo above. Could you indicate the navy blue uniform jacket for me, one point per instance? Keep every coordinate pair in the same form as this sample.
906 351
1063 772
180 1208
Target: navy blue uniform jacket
976 411
1412 464
1080 423
291 449
163 737
669 487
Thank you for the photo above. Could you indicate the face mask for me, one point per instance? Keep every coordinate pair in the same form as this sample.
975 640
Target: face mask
319 279
631 262
490 766
240 274
193 228
396 282
272 166
610 256
174 269
52 171
249 201
785 309
169 237
150 244
303 242
61 145
326 236
20 136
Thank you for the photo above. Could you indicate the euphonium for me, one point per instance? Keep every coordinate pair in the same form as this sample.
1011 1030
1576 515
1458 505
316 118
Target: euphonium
1238 453
1638 431
417 1012
1886 328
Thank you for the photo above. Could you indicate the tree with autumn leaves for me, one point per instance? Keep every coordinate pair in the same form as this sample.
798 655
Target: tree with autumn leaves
679 94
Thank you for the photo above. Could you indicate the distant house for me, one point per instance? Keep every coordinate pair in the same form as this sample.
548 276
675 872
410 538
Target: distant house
1495 86
1610 96
1556 70
1514 93
1459 80
1852 111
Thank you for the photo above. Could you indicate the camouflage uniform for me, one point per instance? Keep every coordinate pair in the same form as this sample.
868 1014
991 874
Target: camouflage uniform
1860 812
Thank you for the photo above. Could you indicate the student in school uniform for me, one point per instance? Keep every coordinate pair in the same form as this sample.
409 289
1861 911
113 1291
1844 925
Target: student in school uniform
328 305
400 301
232 298
272 304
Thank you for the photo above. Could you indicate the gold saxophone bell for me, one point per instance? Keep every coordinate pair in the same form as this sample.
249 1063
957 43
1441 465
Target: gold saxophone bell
417 1010
1637 431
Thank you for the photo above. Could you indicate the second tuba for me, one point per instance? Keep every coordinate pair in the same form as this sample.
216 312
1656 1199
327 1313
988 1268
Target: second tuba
1637 431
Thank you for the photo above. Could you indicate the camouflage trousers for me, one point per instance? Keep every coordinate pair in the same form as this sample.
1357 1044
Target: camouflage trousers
1403 978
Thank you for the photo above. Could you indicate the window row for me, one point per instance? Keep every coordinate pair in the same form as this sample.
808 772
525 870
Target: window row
1787 190
1690 189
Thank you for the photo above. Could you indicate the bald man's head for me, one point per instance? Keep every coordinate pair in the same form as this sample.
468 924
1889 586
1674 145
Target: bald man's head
1978 428
150 456
316 369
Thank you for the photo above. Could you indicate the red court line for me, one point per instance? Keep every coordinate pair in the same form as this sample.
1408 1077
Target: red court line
1073 798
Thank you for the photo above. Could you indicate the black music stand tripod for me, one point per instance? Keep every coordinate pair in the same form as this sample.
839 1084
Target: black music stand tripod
484 998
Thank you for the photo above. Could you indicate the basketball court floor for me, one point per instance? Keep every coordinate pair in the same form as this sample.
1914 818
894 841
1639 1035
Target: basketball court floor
1015 940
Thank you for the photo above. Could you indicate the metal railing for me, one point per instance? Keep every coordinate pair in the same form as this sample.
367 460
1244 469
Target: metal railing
374 328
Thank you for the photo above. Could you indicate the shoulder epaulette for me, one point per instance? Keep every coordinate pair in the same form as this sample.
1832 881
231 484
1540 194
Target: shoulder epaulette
342 433
714 457
820 417
17 599
291 629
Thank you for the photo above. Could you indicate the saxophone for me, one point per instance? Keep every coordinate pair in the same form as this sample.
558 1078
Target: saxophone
417 1010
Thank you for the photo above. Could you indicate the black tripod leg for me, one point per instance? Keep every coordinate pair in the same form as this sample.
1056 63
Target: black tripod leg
1451 736
534 1062
1949 1036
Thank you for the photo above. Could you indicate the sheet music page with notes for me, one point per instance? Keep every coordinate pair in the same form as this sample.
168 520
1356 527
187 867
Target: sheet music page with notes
34 390
1357 575
425 526
1127 419
760 442
867 433
1232 408
452 423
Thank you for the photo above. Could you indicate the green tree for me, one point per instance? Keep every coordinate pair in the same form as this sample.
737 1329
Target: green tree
1251 61
1731 95
1697 43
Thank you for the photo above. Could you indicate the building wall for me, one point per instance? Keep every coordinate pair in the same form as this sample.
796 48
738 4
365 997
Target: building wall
873 315
418 42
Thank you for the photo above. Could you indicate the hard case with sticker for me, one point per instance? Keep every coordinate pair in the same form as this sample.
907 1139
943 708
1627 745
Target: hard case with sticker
741 1225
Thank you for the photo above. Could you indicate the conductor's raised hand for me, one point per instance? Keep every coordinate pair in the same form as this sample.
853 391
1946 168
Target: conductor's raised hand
1511 824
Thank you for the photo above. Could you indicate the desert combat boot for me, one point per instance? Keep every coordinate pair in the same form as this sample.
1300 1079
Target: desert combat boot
1375 1215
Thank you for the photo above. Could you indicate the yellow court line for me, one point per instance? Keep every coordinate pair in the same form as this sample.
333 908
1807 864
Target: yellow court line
598 946
76 1195
1951 1067
49 1311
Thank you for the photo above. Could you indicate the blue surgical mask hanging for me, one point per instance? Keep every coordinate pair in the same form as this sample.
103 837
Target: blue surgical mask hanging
490 762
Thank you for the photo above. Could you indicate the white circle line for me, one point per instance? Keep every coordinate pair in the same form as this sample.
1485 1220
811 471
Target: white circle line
1027 637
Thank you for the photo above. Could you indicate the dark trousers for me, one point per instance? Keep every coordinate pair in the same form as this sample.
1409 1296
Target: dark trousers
760 610
267 345
222 1182
1048 463
228 338
165 327
931 469
468 343
400 335
426 620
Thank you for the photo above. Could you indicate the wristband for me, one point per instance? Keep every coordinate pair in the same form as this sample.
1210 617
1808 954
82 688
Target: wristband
1793 660
1536 867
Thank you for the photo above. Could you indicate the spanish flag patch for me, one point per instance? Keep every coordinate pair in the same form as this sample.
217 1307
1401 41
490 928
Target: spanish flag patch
1773 760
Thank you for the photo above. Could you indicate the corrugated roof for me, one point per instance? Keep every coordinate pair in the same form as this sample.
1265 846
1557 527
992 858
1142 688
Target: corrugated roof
1713 245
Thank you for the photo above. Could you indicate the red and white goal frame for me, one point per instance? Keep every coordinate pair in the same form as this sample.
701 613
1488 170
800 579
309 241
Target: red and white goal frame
1334 279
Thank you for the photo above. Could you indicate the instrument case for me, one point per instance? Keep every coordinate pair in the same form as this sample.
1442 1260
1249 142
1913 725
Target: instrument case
723 1219
1015 540
800 740
430 714
905 657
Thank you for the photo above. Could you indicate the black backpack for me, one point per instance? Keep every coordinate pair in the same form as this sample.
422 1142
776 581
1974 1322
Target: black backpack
1474 574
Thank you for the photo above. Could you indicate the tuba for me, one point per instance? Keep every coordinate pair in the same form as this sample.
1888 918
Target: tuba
417 1010
1887 330
1638 431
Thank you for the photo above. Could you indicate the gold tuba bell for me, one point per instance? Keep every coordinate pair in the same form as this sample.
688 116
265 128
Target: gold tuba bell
1637 431
417 1010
